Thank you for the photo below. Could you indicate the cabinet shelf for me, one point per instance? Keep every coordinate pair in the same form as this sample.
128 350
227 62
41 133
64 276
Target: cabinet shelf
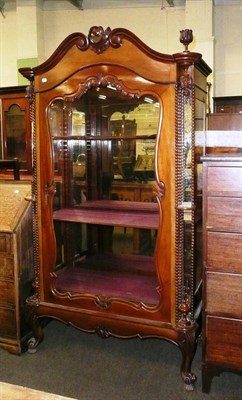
104 137
111 212
117 276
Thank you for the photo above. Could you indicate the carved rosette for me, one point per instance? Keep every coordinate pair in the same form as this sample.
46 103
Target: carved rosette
99 40
50 189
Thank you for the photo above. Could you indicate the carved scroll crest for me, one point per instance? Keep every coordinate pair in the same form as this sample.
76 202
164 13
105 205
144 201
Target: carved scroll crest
101 80
99 40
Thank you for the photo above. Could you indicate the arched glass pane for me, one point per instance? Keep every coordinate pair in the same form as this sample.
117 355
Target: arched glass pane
16 134
104 152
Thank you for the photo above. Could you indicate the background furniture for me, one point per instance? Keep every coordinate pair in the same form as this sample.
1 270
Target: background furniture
15 127
222 263
81 275
11 165
225 122
227 114
16 264
228 104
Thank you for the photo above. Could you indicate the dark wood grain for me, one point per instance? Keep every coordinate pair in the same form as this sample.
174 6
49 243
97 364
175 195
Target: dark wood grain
222 261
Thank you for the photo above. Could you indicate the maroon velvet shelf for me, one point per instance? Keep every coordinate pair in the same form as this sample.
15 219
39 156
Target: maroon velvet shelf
113 278
115 213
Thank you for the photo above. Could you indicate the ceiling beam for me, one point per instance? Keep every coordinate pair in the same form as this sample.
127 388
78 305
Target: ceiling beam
2 4
170 2
77 4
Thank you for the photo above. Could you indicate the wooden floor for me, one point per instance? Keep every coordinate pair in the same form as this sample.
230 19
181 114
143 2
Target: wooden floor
14 392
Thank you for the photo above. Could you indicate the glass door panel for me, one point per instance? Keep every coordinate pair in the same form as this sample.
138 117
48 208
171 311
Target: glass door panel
104 149
16 134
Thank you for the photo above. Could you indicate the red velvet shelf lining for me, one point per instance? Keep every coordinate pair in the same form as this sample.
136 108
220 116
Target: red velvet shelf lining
112 276
115 213
112 284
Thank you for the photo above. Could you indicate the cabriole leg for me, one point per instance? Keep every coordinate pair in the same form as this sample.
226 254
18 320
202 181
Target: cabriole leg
37 330
187 344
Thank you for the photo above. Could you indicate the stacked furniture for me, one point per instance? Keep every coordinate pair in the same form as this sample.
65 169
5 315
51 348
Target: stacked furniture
222 276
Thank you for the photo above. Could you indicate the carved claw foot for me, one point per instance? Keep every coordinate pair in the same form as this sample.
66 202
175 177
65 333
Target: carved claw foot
35 340
189 380
32 345
187 344
34 323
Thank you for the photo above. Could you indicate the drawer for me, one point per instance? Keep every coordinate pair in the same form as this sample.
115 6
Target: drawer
224 252
224 342
8 326
224 213
224 295
6 293
225 181
6 265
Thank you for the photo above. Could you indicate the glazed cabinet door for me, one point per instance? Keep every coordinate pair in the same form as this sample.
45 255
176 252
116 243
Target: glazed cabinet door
103 147
16 128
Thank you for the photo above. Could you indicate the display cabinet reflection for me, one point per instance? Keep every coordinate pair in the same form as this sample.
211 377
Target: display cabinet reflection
118 133
104 149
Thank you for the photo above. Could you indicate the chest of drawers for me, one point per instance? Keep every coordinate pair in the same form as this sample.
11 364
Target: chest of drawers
16 264
222 266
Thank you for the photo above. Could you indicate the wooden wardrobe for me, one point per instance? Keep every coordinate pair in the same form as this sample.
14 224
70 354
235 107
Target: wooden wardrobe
114 190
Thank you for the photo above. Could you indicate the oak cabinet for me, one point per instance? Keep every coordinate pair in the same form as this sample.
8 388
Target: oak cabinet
222 240
114 188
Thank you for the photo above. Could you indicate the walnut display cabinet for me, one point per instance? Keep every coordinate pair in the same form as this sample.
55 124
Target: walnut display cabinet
114 188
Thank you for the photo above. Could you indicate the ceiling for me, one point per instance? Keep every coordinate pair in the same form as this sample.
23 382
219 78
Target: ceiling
97 4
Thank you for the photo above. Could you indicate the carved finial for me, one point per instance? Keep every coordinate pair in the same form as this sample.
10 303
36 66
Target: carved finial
186 37
100 39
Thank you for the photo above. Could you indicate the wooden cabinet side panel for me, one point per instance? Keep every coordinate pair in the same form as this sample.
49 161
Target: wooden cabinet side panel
224 181
224 252
224 342
224 213
8 326
224 295
7 293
